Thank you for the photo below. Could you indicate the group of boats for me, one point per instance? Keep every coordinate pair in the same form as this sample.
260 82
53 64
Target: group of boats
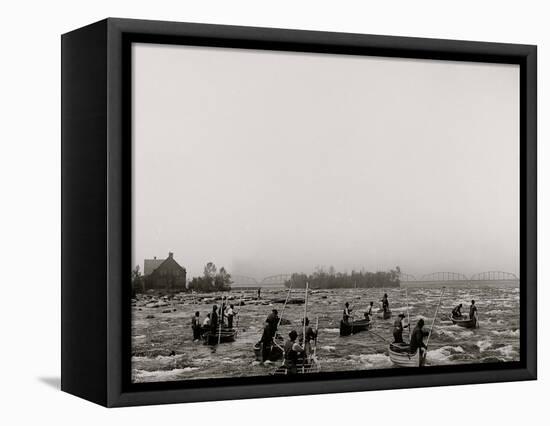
348 328
400 353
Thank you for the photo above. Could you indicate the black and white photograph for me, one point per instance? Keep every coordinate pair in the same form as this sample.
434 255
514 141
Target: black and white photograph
242 212
302 213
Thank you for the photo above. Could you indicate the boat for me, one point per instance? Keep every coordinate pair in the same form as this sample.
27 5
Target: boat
400 353
401 356
463 321
289 301
276 350
385 315
352 327
225 335
310 366
306 364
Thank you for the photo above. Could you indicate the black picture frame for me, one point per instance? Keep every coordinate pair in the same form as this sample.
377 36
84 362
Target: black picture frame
96 226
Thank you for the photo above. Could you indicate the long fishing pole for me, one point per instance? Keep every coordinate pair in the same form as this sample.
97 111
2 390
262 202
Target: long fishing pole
376 334
284 306
433 322
281 317
316 334
352 315
408 316
239 311
304 328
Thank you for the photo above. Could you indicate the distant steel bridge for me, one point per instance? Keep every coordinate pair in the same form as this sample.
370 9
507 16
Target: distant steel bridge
493 276
244 281
456 279
447 278
444 276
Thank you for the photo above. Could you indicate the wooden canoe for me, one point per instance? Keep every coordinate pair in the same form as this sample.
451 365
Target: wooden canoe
352 327
464 322
310 366
385 315
289 301
400 355
225 336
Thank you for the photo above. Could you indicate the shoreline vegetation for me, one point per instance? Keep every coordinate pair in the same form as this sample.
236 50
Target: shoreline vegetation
213 280
322 279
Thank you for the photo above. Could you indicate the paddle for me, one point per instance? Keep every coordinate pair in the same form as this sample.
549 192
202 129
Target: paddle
316 334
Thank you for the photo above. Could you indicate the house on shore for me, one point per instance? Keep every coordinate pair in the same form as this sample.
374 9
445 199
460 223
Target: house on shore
164 274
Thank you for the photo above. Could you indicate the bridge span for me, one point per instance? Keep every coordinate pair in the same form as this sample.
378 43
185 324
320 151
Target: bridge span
455 279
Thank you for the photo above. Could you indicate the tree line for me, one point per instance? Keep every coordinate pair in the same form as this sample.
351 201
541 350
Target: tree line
211 280
332 279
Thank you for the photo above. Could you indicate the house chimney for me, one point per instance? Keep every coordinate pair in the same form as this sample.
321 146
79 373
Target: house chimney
170 254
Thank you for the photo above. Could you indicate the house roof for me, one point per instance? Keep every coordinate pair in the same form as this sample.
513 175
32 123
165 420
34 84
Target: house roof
149 265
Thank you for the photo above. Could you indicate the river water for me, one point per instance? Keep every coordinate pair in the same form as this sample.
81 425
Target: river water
163 347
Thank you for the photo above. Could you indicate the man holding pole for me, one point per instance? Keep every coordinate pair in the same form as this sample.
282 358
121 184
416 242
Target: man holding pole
347 313
230 313
273 321
310 335
214 319
196 326
266 342
398 329
293 351
368 313
417 337
473 310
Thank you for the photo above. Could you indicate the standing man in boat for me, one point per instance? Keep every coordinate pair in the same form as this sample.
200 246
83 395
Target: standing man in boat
259 293
196 326
385 303
266 341
214 319
347 313
368 312
206 322
473 310
222 313
273 321
310 335
398 329
230 313
457 311
293 351
417 337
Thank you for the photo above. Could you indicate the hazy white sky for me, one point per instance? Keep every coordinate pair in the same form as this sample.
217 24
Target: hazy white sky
276 162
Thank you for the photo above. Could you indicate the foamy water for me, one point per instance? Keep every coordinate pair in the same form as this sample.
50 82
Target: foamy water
163 347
